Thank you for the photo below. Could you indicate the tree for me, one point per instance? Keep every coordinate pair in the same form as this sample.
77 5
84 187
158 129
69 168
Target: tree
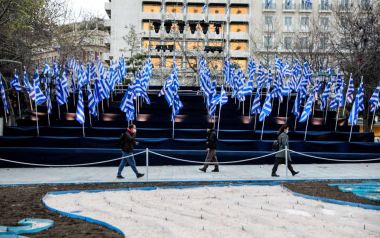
136 57
356 45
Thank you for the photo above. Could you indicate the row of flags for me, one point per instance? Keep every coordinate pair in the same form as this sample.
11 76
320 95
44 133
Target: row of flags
281 80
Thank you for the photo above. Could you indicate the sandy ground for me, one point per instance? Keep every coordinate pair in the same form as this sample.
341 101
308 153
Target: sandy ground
232 211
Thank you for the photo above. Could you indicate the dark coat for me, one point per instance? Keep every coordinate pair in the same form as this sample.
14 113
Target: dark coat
127 141
283 140
211 139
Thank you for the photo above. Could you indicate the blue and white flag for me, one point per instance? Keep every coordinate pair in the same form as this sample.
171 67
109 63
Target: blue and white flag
267 107
308 108
40 98
61 88
358 105
296 106
127 104
374 100
15 84
91 102
350 90
325 96
28 86
177 105
260 76
80 117
3 97
204 8
256 106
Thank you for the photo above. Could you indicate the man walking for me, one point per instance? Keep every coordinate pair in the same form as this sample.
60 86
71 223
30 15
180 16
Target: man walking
127 144
211 151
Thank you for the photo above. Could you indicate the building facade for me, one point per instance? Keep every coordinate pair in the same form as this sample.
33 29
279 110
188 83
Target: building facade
259 28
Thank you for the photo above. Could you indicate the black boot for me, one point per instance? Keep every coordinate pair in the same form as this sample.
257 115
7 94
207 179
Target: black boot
204 169
295 172
275 175
216 169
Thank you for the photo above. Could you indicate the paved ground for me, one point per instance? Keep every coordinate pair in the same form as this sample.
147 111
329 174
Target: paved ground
187 173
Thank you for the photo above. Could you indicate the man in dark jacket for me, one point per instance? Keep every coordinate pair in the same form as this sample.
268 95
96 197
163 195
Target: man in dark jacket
211 151
127 144
283 141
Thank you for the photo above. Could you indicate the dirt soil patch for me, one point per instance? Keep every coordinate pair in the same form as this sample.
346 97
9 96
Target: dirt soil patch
18 202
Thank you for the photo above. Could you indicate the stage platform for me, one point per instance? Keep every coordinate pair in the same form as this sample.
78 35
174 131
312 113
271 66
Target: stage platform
16 176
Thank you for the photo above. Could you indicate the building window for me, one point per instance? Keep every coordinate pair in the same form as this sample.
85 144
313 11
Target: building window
288 23
239 10
325 5
239 45
153 43
146 26
194 45
288 41
156 61
324 23
212 29
344 4
242 63
239 27
288 5
365 4
304 43
304 23
174 8
216 10
194 9
151 7
268 42
268 23
306 5
323 43
269 4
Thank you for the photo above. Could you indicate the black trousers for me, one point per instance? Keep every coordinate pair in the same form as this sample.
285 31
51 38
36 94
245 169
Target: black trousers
278 161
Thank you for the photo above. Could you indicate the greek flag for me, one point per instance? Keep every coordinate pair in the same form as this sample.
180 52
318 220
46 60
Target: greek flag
308 108
177 106
226 71
73 84
91 102
15 84
358 106
40 97
99 91
45 70
267 107
256 107
260 76
61 89
80 117
101 69
48 100
350 90
277 90
28 86
220 99
325 96
374 100
251 70
127 104
296 106
269 79
3 96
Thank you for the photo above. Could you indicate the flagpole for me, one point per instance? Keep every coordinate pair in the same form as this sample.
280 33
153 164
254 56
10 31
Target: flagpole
243 106
67 107
250 106
220 108
337 118
279 105
262 129
19 107
307 125
38 129
344 108
295 124
254 126
83 130
48 116
287 106
31 104
173 121
349 140
59 111
373 119
327 107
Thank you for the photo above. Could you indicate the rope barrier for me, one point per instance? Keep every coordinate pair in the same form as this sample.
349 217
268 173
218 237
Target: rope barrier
68 165
211 163
338 160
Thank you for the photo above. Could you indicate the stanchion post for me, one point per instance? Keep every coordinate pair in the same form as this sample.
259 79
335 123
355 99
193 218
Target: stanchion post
147 163
286 161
